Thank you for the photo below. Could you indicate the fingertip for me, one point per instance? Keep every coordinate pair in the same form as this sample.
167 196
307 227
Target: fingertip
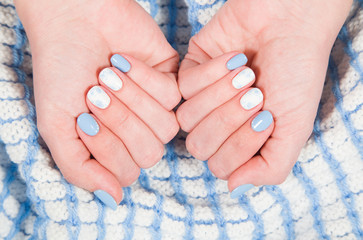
262 121
110 77
241 190
120 62
87 123
252 172
107 199
238 60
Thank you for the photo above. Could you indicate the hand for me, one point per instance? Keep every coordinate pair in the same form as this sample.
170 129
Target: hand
288 45
71 42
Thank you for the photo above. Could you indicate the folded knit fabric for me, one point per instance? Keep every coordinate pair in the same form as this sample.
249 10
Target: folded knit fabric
179 198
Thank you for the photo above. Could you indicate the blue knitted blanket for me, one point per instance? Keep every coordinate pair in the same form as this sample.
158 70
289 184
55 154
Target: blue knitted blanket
179 198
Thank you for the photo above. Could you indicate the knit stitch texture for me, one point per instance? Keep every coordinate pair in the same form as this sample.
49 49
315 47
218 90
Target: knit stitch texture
179 198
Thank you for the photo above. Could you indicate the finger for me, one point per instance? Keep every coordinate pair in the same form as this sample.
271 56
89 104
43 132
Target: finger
210 134
161 121
242 145
143 146
191 112
161 86
270 167
193 78
108 150
73 159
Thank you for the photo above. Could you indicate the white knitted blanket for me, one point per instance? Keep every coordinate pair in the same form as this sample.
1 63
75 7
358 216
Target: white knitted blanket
179 198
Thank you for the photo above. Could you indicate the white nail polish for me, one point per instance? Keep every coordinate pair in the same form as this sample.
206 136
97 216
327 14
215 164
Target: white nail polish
251 99
243 78
110 79
98 97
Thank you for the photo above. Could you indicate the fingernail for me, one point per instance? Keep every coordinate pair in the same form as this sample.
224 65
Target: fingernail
98 97
243 78
121 63
239 191
110 79
262 121
251 99
106 198
237 61
88 124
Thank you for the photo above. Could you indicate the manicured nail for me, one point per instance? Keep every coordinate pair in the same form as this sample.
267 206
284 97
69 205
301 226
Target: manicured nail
237 61
98 97
262 121
110 79
243 78
251 99
106 198
88 124
239 191
121 63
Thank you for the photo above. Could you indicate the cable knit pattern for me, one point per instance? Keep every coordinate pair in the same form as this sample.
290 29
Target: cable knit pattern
179 198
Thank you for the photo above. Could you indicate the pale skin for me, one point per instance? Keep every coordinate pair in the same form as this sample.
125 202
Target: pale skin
71 42
287 44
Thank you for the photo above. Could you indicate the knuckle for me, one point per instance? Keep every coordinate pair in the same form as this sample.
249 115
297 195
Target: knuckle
172 129
217 169
123 117
131 176
173 98
277 176
183 88
153 156
222 120
137 99
193 148
181 117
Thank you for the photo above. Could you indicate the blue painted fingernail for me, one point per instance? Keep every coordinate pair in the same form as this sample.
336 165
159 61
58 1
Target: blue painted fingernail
120 63
262 121
239 191
237 61
106 198
88 124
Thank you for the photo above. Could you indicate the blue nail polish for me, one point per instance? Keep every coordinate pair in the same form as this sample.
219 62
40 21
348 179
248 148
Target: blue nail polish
237 61
88 124
120 63
262 121
106 198
239 191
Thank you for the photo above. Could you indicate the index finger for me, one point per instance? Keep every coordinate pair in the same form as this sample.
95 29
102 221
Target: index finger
194 77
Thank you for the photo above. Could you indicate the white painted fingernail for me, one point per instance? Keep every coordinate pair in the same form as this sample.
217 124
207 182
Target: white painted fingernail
251 99
98 97
243 78
110 79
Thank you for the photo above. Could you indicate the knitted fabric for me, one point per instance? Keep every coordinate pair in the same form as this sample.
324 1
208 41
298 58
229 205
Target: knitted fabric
179 198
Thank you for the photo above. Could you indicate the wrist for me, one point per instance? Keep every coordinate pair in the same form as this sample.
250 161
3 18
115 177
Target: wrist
38 15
